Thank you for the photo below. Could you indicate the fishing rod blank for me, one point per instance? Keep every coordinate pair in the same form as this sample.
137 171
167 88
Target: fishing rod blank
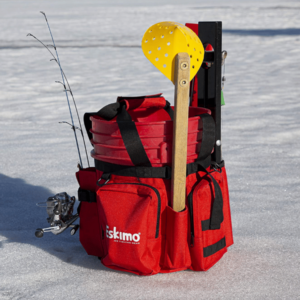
63 79
69 90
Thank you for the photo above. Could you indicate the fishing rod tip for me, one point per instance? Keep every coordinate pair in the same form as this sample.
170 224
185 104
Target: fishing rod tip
44 15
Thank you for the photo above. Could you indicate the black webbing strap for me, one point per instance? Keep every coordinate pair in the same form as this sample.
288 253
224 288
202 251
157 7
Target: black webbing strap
214 248
131 139
208 136
141 172
207 145
88 124
138 97
110 111
217 208
194 167
86 195
169 110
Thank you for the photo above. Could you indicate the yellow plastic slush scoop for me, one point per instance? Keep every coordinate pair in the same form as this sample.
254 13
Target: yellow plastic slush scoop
177 52
163 41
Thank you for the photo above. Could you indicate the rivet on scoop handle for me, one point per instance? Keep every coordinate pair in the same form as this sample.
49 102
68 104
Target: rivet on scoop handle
180 129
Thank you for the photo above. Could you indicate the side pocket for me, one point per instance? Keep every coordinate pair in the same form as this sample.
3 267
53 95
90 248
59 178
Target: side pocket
177 255
90 233
130 212
226 208
207 245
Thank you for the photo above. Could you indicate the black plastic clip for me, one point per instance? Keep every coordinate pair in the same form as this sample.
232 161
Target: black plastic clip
216 167
106 177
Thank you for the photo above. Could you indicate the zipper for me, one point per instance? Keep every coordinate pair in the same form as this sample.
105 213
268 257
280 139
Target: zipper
190 203
158 198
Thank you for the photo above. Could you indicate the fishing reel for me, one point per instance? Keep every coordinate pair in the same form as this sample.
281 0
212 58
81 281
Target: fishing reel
60 211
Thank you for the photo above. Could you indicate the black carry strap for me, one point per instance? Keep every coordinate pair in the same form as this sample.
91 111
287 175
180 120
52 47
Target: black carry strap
110 111
131 139
169 110
217 209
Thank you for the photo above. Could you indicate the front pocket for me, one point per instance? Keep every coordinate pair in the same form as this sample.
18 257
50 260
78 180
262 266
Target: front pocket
177 256
130 214
207 242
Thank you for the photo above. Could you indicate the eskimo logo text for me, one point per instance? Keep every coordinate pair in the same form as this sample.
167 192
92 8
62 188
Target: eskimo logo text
123 237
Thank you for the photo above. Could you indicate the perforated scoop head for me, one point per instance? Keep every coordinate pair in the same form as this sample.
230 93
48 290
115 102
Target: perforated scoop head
162 41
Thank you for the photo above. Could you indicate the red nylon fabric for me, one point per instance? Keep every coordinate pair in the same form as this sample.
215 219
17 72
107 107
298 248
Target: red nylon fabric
130 215
144 102
132 226
226 209
202 203
203 195
125 205
177 256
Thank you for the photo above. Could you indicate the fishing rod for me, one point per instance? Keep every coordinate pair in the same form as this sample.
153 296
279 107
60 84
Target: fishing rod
64 77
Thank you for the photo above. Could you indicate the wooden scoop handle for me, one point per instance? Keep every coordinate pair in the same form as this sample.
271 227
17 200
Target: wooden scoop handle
180 129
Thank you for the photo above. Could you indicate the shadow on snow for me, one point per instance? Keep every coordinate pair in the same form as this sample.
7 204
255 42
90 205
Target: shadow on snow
20 217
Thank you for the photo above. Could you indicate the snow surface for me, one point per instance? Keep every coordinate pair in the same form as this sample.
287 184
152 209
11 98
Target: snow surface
99 48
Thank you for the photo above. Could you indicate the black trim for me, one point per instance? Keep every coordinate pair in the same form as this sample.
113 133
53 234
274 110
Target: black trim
205 224
158 200
214 248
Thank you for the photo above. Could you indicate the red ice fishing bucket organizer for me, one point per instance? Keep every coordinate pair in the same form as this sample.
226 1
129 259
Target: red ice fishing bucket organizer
125 212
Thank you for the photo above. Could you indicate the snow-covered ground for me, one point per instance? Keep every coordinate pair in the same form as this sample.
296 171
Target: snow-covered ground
99 48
